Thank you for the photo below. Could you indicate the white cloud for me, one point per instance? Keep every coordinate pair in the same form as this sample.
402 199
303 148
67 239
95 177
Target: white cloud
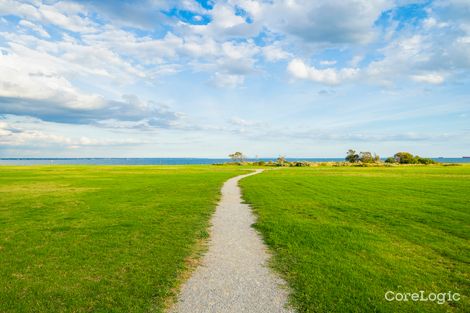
31 75
37 28
36 83
431 78
14 136
195 51
275 53
226 24
431 22
298 69
64 15
334 21
71 62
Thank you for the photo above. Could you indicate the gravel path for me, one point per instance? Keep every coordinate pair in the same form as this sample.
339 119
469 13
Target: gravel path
233 276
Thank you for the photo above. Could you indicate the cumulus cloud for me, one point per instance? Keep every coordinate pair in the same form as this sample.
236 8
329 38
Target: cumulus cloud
298 69
66 15
429 56
330 22
225 43
275 53
38 84
28 75
83 62
226 23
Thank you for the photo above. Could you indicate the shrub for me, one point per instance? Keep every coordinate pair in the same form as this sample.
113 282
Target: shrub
426 161
281 161
367 157
301 164
405 158
408 158
237 157
352 156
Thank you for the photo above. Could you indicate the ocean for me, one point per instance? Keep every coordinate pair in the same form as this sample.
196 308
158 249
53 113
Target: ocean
167 161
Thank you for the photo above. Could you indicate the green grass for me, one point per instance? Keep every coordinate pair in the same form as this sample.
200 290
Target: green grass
100 238
344 236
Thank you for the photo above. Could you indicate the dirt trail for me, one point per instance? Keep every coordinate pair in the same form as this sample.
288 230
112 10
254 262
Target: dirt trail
233 276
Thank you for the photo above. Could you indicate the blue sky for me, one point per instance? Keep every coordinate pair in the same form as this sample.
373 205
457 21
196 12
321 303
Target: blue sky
187 78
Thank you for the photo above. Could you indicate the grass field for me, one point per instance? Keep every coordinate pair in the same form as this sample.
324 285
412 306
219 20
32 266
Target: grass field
100 238
344 236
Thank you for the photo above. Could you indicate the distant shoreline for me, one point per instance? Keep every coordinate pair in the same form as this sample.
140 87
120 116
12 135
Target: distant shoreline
170 161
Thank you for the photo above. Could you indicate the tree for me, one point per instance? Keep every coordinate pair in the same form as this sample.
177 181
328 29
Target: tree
281 160
376 158
352 156
366 157
405 158
237 157
408 158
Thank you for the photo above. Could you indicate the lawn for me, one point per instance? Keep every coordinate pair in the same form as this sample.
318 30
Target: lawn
343 236
100 238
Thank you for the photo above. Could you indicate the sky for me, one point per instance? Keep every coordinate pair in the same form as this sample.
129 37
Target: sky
188 78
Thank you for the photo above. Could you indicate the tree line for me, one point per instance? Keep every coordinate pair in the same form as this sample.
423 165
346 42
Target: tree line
363 157
398 158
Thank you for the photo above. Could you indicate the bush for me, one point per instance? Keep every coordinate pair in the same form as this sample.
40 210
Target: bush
408 158
405 158
364 157
301 164
352 156
367 157
281 161
426 161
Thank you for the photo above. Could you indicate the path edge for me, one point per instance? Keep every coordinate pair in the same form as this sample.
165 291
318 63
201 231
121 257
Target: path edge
271 253
199 249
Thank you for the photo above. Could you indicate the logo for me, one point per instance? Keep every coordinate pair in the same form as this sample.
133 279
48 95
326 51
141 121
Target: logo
422 296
